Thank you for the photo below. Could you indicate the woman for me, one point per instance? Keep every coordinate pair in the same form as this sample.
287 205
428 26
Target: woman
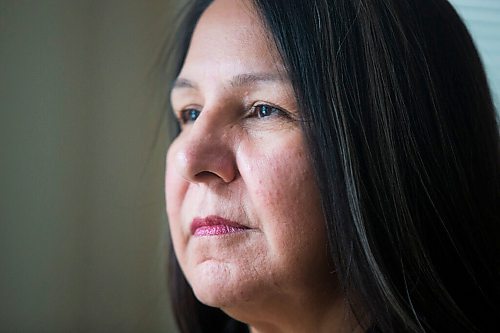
335 170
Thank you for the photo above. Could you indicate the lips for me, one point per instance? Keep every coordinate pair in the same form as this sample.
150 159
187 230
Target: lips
214 226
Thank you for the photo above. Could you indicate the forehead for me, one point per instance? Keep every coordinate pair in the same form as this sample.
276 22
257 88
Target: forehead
230 38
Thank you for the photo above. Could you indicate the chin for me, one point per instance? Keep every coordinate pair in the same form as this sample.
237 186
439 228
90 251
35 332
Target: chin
219 285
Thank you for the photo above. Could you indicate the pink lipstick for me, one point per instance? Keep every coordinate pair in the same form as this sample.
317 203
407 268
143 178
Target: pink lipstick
214 226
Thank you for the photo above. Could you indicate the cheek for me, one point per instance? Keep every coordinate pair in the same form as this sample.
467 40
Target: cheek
175 185
175 190
287 201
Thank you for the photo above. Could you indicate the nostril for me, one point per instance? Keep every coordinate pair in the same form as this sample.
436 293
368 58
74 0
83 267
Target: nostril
205 176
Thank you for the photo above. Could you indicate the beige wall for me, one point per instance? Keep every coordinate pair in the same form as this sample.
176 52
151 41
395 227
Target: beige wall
82 222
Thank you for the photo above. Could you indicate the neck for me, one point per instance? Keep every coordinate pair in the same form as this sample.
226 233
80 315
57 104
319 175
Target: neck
299 315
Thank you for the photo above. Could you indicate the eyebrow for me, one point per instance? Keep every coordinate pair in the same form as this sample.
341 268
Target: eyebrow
236 81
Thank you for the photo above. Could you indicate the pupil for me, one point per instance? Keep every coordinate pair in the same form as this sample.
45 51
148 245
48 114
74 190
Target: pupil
193 114
264 111
190 115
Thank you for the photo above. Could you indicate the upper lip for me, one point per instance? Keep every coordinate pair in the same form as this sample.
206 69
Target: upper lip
211 220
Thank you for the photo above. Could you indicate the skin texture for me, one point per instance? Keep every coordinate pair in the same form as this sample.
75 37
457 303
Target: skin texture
230 162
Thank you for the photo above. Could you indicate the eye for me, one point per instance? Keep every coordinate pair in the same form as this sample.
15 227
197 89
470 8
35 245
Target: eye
189 115
264 110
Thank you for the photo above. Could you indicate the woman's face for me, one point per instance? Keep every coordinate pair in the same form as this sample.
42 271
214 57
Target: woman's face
242 203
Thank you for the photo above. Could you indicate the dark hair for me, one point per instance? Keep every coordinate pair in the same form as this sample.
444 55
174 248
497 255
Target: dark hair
403 137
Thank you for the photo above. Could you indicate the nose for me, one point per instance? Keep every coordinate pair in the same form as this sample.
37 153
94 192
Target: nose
206 154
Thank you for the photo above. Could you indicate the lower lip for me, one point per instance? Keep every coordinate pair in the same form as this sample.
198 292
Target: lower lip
214 226
215 230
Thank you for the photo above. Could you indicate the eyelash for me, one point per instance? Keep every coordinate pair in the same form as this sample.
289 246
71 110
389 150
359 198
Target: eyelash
259 110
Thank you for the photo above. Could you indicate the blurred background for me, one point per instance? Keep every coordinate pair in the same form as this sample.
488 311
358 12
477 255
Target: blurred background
82 142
